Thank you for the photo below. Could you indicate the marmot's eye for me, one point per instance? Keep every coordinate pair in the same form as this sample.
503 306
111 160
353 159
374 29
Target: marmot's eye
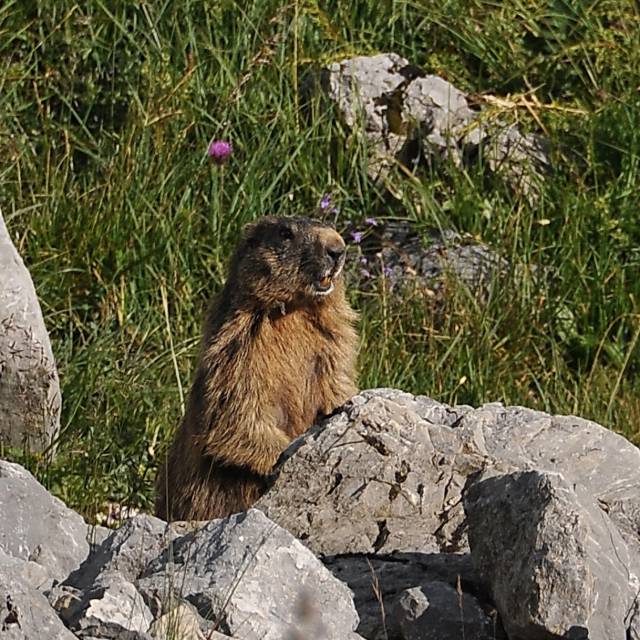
286 233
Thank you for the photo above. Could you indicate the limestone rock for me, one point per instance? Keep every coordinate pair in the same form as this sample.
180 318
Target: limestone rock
409 117
386 475
555 564
31 573
29 389
36 526
254 579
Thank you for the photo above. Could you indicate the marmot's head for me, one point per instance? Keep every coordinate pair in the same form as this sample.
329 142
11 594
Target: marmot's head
283 260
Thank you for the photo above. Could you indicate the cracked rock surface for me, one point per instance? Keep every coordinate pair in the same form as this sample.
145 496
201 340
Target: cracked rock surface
552 558
386 477
25 613
385 474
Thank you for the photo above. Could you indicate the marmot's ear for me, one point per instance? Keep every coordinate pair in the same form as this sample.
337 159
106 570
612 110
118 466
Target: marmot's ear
250 235
248 228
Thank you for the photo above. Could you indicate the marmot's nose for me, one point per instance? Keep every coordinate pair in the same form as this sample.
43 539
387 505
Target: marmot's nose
334 252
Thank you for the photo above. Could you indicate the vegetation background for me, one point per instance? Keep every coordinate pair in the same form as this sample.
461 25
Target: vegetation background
106 110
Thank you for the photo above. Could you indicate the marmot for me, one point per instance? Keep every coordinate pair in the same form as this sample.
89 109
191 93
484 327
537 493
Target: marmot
277 353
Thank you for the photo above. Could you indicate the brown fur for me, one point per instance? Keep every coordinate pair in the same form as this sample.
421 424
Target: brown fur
275 356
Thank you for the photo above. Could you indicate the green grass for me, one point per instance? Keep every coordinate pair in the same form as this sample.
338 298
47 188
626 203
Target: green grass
106 109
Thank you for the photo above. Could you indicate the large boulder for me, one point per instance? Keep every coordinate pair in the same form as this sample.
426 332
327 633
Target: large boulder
384 474
387 474
29 389
254 580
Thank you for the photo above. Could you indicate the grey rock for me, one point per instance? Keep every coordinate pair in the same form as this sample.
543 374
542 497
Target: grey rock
409 117
56 539
253 579
555 564
382 475
602 465
127 550
30 397
522 159
387 474
424 263
357 86
108 609
25 613
97 535
437 611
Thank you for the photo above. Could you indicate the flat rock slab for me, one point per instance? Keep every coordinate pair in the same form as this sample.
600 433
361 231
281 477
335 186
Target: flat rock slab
36 526
255 580
30 397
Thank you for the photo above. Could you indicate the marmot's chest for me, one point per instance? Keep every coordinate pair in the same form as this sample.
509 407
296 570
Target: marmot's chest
301 357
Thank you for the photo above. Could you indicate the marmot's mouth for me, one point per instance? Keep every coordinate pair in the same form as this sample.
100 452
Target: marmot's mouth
324 286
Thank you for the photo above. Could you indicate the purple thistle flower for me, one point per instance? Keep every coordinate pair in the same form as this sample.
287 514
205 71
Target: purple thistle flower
371 221
364 273
325 202
356 236
387 271
363 260
219 151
